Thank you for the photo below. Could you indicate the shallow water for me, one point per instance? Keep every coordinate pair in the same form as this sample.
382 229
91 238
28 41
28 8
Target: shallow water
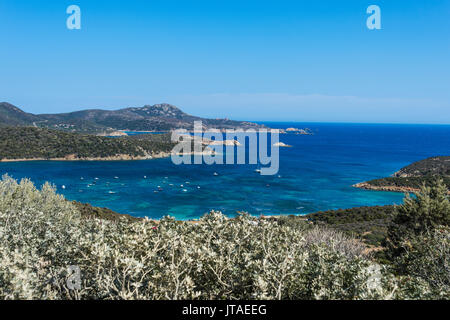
317 173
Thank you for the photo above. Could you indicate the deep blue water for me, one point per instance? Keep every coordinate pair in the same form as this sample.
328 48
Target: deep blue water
315 174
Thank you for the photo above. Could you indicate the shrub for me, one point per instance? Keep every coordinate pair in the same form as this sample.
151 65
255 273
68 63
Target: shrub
41 234
430 208
427 257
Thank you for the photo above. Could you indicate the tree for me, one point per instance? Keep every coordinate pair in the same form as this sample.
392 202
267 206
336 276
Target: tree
429 209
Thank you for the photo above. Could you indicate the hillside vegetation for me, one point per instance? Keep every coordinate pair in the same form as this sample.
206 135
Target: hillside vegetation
407 182
428 167
158 117
412 177
39 143
370 224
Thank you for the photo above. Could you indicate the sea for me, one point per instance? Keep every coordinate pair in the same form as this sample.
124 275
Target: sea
315 174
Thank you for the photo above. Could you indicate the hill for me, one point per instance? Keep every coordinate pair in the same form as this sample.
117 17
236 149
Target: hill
413 176
159 117
12 116
431 166
28 143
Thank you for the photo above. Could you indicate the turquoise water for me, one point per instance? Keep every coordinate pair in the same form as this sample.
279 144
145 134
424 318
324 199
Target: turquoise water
315 174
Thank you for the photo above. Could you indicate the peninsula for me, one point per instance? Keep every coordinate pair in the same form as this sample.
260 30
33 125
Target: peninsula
413 176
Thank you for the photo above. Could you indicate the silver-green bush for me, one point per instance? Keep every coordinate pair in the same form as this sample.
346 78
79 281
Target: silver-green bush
41 235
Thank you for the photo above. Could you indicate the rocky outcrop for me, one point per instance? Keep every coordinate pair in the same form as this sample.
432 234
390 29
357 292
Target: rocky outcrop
118 133
298 131
282 145
367 186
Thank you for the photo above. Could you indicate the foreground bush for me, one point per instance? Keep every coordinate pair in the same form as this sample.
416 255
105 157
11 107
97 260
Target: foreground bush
42 235
429 209
427 257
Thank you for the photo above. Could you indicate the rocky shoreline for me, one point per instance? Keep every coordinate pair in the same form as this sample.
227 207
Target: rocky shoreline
119 157
367 186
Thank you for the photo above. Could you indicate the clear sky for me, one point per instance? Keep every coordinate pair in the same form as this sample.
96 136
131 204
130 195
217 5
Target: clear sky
242 59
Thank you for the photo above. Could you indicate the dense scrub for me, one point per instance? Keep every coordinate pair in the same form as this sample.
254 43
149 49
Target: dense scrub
418 240
42 234
369 224
428 167
408 182
414 176
29 143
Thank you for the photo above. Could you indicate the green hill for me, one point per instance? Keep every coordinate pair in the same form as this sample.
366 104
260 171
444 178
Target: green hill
431 166
413 176
158 117
39 143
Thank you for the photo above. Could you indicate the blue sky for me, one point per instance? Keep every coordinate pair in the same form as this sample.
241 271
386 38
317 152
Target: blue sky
256 60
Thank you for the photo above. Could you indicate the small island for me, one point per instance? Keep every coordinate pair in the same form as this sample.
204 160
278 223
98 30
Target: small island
282 145
305 131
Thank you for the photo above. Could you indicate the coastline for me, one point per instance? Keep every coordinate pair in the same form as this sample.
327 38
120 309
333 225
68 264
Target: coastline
367 186
120 157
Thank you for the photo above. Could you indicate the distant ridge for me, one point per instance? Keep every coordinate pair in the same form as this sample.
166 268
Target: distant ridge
13 116
158 117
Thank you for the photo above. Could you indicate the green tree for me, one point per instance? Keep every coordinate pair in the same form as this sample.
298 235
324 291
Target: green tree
427 257
429 209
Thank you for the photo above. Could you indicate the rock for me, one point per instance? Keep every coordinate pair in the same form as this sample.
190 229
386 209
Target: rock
281 145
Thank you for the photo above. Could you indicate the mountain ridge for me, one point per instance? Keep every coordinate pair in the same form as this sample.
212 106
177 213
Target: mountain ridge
158 117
